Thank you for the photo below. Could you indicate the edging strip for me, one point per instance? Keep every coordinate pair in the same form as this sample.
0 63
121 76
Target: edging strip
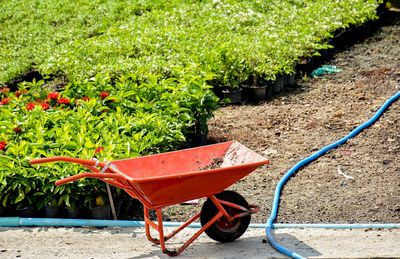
61 222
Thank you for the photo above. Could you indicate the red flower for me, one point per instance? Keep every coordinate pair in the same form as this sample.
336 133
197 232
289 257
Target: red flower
17 130
99 149
3 145
30 106
5 101
86 98
63 100
53 96
19 93
45 106
104 95
4 90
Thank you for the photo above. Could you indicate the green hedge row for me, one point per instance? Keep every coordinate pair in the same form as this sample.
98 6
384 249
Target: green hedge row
234 40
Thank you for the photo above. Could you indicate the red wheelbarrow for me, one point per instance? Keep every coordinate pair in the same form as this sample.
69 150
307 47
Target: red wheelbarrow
161 180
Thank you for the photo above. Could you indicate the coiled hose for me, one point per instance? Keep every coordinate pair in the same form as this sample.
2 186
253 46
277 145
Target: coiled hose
308 160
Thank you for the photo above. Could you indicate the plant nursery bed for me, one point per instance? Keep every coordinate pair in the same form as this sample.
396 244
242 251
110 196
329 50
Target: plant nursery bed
358 182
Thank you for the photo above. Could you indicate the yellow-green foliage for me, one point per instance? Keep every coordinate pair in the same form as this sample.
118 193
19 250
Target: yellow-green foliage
231 38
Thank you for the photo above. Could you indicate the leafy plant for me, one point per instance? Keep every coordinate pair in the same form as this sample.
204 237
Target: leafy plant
116 120
231 39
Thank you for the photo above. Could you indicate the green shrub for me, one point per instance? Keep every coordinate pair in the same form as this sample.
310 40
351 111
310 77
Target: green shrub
231 39
117 121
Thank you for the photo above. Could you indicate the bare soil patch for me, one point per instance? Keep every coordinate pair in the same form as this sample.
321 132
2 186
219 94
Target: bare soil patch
358 182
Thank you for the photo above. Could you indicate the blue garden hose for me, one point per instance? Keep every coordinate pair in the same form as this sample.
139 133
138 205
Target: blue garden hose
308 160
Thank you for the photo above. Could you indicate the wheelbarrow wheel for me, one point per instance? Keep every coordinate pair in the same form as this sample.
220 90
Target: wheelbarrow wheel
222 230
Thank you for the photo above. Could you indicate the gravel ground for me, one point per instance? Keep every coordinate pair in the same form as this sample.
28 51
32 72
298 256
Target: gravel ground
131 243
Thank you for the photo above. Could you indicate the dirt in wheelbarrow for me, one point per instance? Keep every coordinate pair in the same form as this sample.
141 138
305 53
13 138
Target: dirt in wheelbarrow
358 182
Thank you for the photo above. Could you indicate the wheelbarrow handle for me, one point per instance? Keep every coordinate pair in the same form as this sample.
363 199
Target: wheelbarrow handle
88 175
65 159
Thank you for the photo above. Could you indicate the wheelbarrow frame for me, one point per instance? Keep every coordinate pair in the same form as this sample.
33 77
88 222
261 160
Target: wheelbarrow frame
109 173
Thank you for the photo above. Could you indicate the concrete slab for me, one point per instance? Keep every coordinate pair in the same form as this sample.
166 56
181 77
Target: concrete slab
132 243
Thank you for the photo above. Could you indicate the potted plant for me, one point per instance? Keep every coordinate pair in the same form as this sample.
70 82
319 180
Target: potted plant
233 95
24 203
233 73
5 201
128 208
51 209
258 89
23 193
289 79
279 84
73 209
95 199
100 207
70 200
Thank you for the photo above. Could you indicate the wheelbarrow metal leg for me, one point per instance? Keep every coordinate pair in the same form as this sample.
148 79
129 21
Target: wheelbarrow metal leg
160 228
218 203
187 223
187 243
221 208
149 223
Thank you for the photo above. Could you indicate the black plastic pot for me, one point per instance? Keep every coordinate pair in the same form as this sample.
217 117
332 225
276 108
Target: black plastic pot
269 91
306 66
26 212
289 80
198 140
3 212
195 140
278 84
256 94
128 209
51 212
101 212
234 96
73 213
7 211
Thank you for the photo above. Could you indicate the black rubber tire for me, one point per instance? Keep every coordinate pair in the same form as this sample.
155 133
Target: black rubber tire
222 230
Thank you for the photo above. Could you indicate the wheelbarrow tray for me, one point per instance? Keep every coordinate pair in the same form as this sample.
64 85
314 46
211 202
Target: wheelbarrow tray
175 177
